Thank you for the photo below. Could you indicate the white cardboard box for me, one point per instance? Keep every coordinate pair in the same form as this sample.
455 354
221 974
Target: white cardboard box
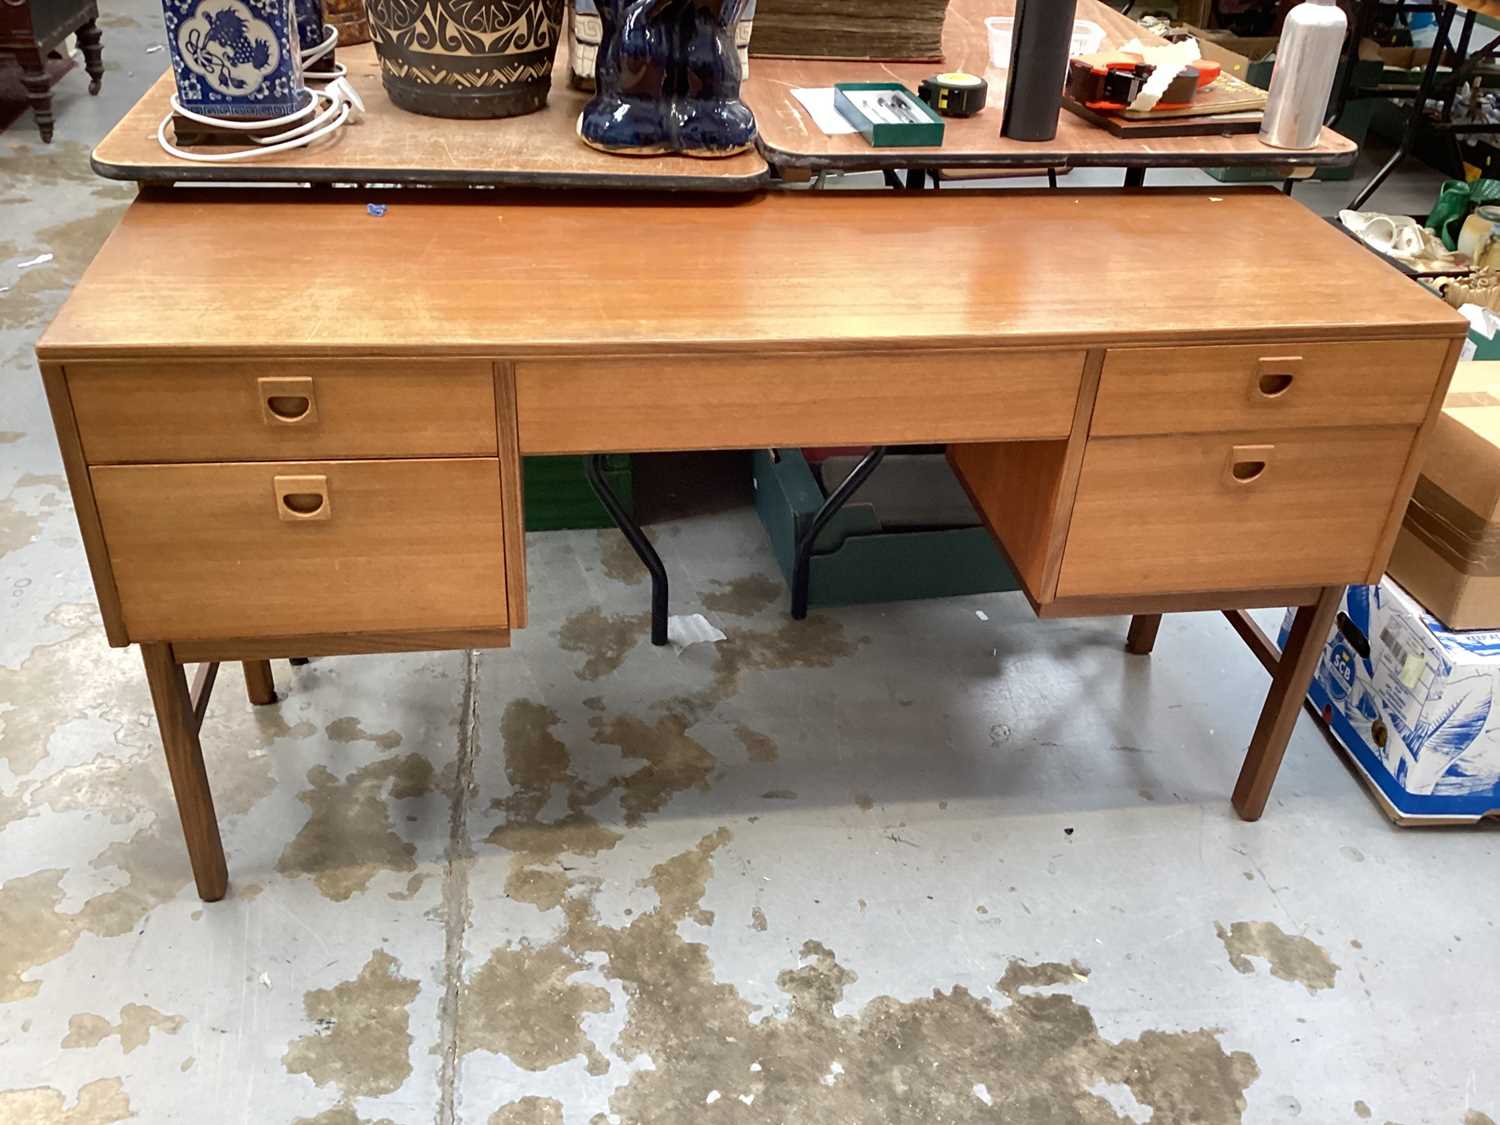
1411 702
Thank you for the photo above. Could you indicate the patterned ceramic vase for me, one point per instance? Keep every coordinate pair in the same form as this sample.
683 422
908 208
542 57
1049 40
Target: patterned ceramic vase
349 17
235 58
668 80
309 23
466 58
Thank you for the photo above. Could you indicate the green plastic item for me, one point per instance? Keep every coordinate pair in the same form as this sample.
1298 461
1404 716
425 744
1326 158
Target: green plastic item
558 496
1454 202
855 561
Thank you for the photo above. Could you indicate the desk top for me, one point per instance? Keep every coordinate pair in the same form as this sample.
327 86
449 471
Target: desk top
788 137
392 146
204 272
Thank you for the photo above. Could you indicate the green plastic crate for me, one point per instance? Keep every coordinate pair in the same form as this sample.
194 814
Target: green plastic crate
558 496
854 560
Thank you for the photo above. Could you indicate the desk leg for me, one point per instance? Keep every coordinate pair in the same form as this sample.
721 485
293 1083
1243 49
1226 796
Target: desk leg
1142 636
593 470
258 682
178 724
1294 671
802 568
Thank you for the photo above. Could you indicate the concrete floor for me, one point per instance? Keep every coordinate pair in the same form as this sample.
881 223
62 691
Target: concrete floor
915 863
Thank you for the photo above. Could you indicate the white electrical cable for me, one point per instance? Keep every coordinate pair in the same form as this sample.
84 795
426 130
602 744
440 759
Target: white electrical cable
342 104
313 54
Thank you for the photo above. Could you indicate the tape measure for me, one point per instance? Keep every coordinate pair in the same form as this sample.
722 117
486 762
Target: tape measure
954 94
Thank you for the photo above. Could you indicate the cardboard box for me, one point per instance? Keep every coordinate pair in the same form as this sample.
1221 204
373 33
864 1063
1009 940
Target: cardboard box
1448 553
1234 52
1410 702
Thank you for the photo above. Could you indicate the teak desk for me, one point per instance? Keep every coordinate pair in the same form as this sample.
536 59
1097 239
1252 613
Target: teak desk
1155 401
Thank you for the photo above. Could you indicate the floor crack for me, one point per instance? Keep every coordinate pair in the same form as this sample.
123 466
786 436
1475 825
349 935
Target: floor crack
457 902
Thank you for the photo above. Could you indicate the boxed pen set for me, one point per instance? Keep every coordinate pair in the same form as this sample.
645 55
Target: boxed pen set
887 114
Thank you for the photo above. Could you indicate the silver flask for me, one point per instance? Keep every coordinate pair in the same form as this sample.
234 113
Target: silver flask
1312 39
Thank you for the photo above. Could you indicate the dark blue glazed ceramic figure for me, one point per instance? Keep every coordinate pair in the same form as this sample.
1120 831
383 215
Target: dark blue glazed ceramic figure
668 80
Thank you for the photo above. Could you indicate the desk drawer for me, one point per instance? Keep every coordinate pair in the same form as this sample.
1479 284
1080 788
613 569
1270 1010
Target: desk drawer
275 411
1263 386
265 550
1167 514
748 402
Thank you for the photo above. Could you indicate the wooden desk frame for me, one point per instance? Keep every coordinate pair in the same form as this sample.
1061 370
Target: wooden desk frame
1025 379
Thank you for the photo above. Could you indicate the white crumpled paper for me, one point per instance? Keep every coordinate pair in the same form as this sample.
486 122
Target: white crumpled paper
1169 59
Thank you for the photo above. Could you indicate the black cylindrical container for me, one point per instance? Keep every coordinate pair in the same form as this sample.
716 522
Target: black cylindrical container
1039 49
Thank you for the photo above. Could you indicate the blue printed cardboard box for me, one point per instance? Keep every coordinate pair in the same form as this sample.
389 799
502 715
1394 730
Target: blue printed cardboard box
1410 700
235 58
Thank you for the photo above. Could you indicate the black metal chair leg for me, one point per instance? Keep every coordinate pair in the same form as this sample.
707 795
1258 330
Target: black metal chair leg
593 470
1052 178
802 571
1414 119
1461 54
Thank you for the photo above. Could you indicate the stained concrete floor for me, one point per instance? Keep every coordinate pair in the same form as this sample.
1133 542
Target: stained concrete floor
902 863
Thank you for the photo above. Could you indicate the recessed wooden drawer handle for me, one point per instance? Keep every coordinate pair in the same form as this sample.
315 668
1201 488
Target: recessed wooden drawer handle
287 400
303 499
1247 464
1274 376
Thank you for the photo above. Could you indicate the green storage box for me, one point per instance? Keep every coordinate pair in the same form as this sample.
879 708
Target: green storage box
558 497
856 560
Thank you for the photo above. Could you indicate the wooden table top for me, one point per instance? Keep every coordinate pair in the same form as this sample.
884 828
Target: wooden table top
542 149
393 146
789 139
206 273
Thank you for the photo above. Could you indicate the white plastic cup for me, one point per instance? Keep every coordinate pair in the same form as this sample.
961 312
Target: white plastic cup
1000 29
1088 37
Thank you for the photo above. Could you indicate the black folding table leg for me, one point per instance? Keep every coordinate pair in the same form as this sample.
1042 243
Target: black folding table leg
1414 119
1135 177
802 571
593 470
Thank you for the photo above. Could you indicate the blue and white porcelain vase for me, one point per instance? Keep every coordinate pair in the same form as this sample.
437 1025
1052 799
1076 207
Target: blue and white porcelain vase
236 58
310 31
668 80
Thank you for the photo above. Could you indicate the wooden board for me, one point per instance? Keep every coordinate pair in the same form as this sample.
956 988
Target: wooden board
391 146
203 552
550 274
1160 515
1218 125
577 406
221 411
1193 390
789 139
